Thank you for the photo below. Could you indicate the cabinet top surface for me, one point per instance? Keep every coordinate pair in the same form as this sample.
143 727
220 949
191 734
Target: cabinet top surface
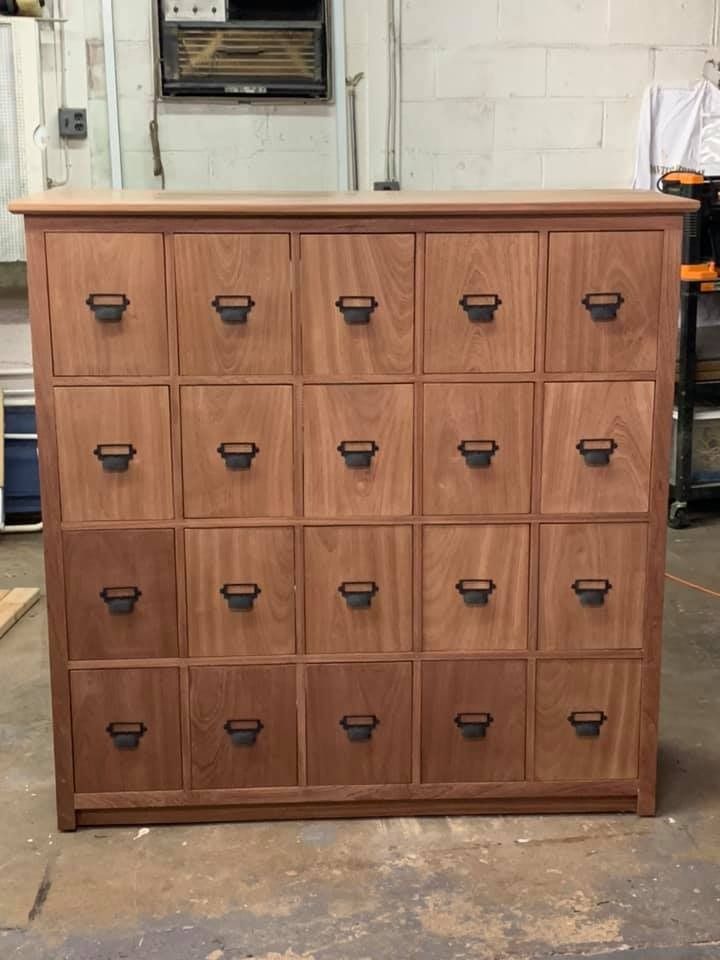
392 203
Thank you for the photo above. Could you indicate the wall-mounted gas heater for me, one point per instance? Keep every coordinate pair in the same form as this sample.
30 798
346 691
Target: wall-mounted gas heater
244 49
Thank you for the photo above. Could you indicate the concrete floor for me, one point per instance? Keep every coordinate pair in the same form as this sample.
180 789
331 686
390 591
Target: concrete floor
465 888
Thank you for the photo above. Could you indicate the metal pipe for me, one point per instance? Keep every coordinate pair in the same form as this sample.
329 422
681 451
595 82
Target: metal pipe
341 113
112 95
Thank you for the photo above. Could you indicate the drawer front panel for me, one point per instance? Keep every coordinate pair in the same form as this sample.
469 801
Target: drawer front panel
480 302
237 447
126 729
587 719
243 727
358 450
233 303
475 587
473 721
356 304
592 585
596 447
358 589
358 723
240 591
114 453
107 304
477 448
603 301
120 594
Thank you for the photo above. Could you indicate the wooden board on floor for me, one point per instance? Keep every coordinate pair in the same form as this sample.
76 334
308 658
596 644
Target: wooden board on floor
14 603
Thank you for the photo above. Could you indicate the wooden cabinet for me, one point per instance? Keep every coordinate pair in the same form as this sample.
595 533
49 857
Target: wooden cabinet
353 505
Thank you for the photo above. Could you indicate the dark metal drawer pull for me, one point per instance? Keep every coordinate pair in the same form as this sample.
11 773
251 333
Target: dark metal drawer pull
108 307
359 726
238 456
597 452
591 593
478 453
243 733
357 454
126 734
603 306
120 599
115 457
240 596
356 309
358 593
473 726
587 723
233 308
475 593
480 307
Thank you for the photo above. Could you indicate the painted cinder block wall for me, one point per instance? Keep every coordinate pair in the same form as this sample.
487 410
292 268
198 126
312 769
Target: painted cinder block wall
495 94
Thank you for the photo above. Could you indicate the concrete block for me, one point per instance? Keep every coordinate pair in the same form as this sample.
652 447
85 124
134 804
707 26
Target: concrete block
418 74
672 22
621 123
291 171
301 129
505 170
95 67
588 168
604 72
132 21
133 70
532 124
489 72
229 169
448 126
448 24
416 170
135 116
92 13
187 169
183 128
356 21
98 143
553 21
678 67
137 170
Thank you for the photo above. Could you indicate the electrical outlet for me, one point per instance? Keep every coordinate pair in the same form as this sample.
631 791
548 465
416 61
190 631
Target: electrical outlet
386 185
73 122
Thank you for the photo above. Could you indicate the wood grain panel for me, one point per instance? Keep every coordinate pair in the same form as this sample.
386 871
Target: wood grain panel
456 412
80 264
222 694
245 555
335 266
377 412
212 416
618 411
96 560
592 551
88 416
628 263
610 686
452 554
451 689
335 690
102 697
503 265
247 265
379 555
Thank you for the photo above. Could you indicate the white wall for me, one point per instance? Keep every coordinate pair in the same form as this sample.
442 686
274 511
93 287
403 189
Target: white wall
495 93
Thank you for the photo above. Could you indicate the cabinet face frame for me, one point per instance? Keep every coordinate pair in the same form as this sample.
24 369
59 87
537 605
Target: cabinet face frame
177 806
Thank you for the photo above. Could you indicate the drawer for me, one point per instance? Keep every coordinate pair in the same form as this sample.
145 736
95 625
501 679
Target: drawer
356 303
477 448
126 729
358 589
473 721
243 727
358 451
358 722
587 719
107 304
237 444
480 302
603 301
592 585
233 303
475 587
120 594
240 591
597 440
114 453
